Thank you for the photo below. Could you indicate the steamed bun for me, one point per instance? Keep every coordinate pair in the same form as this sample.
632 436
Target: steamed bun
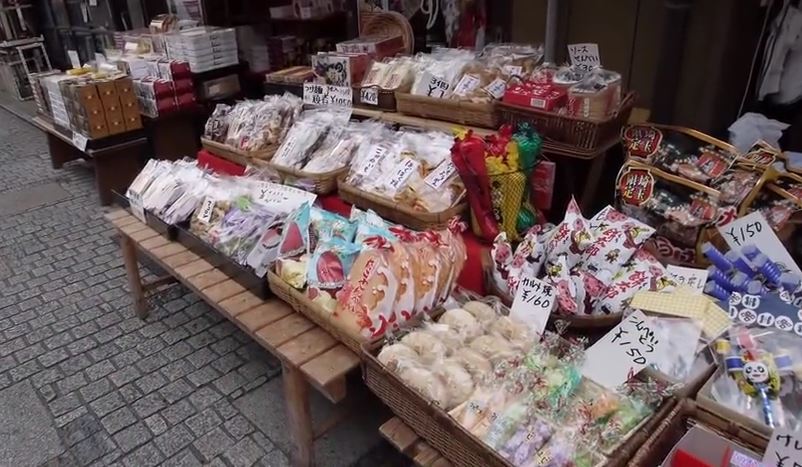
392 354
481 311
427 383
457 379
463 322
490 346
426 344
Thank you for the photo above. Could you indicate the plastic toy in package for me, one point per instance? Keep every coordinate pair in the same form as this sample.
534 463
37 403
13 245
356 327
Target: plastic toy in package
761 378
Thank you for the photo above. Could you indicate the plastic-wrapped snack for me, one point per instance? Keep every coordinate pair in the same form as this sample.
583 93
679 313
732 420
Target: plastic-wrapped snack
642 272
427 345
563 451
526 441
516 332
481 82
440 71
217 125
373 160
528 258
458 381
340 146
404 269
502 256
481 311
463 323
566 77
426 382
570 238
473 410
331 262
494 348
503 427
317 129
433 185
327 226
241 228
208 216
293 270
515 59
295 237
391 355
265 250
478 366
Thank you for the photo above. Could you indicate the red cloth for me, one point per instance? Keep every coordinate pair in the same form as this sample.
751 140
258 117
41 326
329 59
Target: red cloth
472 277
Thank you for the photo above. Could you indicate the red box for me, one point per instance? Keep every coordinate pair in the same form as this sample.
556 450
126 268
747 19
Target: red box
185 100
538 96
183 85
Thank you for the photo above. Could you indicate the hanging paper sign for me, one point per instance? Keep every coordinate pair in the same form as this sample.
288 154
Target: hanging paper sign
584 56
754 229
533 303
440 175
325 95
623 352
369 96
75 60
377 155
691 278
784 449
402 172
770 310
282 197
435 86
79 141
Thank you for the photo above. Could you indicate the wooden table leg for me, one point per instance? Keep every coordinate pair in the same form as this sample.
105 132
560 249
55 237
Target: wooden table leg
60 152
296 397
116 170
134 280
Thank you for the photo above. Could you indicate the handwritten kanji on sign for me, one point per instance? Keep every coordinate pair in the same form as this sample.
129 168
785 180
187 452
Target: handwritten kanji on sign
784 449
585 56
622 352
533 303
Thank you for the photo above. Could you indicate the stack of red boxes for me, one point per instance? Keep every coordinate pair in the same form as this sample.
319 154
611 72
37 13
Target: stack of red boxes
542 96
168 88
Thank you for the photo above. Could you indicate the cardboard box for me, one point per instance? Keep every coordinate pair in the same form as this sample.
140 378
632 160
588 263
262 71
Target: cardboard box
130 109
132 122
108 93
125 88
116 124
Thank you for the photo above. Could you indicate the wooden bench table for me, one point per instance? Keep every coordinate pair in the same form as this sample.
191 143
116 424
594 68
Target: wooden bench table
117 159
401 437
308 354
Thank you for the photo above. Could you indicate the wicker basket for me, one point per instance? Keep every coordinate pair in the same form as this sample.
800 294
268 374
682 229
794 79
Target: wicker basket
575 323
465 113
237 156
388 209
677 423
321 184
567 134
299 302
386 99
447 436
388 23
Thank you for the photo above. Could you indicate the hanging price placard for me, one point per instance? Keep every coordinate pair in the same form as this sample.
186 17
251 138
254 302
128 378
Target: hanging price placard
206 209
585 56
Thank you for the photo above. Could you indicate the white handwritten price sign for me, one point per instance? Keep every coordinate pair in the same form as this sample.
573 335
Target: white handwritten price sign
691 278
623 352
401 174
466 84
324 95
441 174
435 86
75 60
754 229
784 450
377 155
369 96
585 56
533 303
283 198
206 209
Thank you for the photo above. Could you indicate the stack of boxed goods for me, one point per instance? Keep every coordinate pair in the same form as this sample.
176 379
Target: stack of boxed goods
40 94
377 47
253 48
284 51
53 91
204 48
101 107
162 85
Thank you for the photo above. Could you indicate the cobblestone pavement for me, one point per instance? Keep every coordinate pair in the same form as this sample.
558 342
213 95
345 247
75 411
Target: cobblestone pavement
84 382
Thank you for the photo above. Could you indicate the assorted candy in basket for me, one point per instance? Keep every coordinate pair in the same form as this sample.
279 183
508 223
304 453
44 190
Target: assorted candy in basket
596 265
412 168
253 125
367 276
498 174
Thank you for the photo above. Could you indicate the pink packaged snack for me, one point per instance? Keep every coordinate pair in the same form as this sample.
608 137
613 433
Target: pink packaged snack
571 238
501 253
528 258
642 272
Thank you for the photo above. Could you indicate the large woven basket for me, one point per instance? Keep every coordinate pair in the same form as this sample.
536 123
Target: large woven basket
299 302
237 156
669 431
466 113
388 23
388 209
447 436
321 184
571 135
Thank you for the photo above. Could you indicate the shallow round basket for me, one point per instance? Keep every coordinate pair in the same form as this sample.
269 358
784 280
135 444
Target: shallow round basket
390 23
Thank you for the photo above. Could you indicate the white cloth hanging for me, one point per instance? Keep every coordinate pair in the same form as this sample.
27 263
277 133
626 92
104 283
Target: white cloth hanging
782 67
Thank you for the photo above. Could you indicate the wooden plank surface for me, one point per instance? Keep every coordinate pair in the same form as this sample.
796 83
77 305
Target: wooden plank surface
283 330
397 433
219 292
240 303
180 259
257 318
116 214
151 241
207 279
170 249
192 269
133 227
124 221
327 367
307 346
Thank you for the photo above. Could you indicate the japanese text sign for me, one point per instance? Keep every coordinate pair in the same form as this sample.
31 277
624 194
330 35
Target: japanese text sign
435 86
401 174
369 96
585 56
282 197
784 450
692 278
441 174
754 229
623 352
327 95
533 303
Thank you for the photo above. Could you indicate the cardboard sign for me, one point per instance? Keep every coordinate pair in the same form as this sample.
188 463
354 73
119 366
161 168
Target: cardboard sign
754 229
369 96
585 56
784 449
75 60
283 198
440 175
533 303
623 352
691 278
325 95
79 141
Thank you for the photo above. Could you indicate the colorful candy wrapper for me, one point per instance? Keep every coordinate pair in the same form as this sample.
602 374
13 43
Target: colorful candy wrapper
327 225
295 237
501 254
331 262
642 272
616 237
570 238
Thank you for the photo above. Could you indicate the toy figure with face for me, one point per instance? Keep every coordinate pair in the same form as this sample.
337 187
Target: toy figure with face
756 372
